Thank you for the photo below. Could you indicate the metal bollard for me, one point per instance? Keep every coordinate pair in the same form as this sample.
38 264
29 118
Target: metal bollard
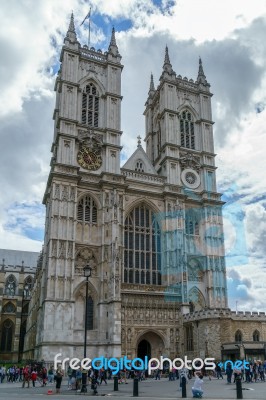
184 387
136 387
239 393
115 384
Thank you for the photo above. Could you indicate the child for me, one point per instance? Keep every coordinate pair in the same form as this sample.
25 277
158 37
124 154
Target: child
196 389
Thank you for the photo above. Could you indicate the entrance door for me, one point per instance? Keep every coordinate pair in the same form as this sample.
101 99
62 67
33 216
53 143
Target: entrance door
144 349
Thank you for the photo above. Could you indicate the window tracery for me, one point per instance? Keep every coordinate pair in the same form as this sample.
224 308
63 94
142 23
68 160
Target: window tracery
87 210
9 308
10 286
90 106
142 243
187 130
28 283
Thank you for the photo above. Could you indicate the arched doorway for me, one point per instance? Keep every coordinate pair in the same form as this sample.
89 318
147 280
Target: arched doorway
144 349
150 344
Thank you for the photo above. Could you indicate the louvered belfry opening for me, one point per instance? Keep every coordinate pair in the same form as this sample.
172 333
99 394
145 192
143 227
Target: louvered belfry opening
90 106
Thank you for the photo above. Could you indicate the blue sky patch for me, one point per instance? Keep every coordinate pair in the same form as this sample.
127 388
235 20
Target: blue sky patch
28 219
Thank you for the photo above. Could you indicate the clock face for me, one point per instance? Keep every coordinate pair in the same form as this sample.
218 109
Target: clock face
88 159
190 178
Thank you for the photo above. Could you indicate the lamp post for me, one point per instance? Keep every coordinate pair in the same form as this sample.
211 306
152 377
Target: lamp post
87 275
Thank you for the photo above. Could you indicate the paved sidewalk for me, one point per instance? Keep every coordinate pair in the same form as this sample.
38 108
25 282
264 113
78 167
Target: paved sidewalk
148 390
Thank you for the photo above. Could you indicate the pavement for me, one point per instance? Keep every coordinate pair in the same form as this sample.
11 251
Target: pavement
148 390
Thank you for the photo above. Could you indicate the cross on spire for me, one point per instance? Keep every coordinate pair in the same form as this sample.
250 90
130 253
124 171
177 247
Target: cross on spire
139 141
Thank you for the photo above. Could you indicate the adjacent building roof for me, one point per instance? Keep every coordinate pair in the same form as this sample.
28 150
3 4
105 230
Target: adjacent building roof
18 258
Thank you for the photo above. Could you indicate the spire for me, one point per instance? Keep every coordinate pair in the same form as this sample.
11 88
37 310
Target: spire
113 49
113 41
167 66
166 57
71 27
201 76
71 33
152 89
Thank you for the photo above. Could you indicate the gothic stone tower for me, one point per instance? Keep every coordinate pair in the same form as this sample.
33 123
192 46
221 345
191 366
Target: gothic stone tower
179 138
84 207
151 230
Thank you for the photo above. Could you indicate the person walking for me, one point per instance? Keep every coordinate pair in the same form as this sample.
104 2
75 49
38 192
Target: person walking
102 376
261 372
50 375
34 376
218 371
78 379
69 374
3 374
158 374
229 372
58 378
26 376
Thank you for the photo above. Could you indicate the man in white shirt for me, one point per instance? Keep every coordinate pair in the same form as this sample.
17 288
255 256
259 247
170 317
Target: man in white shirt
196 389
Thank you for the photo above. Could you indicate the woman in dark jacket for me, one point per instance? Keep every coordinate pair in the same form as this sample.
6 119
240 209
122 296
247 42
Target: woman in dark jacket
58 378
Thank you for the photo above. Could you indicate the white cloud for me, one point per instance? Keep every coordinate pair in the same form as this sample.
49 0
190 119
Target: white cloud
230 38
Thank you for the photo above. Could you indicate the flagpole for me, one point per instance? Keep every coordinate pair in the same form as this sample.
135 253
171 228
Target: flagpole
88 16
89 35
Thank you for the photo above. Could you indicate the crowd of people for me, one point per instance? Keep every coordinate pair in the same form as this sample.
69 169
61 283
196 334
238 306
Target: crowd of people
37 373
252 373
26 374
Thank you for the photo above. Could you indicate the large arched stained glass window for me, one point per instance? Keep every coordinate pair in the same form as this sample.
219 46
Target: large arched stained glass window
142 244
90 106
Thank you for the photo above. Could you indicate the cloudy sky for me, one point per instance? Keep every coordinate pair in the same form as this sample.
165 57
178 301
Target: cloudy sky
230 38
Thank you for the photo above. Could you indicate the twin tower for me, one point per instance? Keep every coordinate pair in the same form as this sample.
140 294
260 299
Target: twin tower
151 230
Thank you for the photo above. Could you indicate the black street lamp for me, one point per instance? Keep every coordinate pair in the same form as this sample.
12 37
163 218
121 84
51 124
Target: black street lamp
87 275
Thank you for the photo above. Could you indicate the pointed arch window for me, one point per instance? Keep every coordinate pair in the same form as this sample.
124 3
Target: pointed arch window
9 308
187 130
142 248
90 314
7 335
23 330
189 338
90 106
28 283
87 210
256 336
139 166
192 228
10 286
238 336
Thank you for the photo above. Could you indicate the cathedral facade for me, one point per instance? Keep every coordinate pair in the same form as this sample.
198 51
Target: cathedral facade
151 230
17 272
